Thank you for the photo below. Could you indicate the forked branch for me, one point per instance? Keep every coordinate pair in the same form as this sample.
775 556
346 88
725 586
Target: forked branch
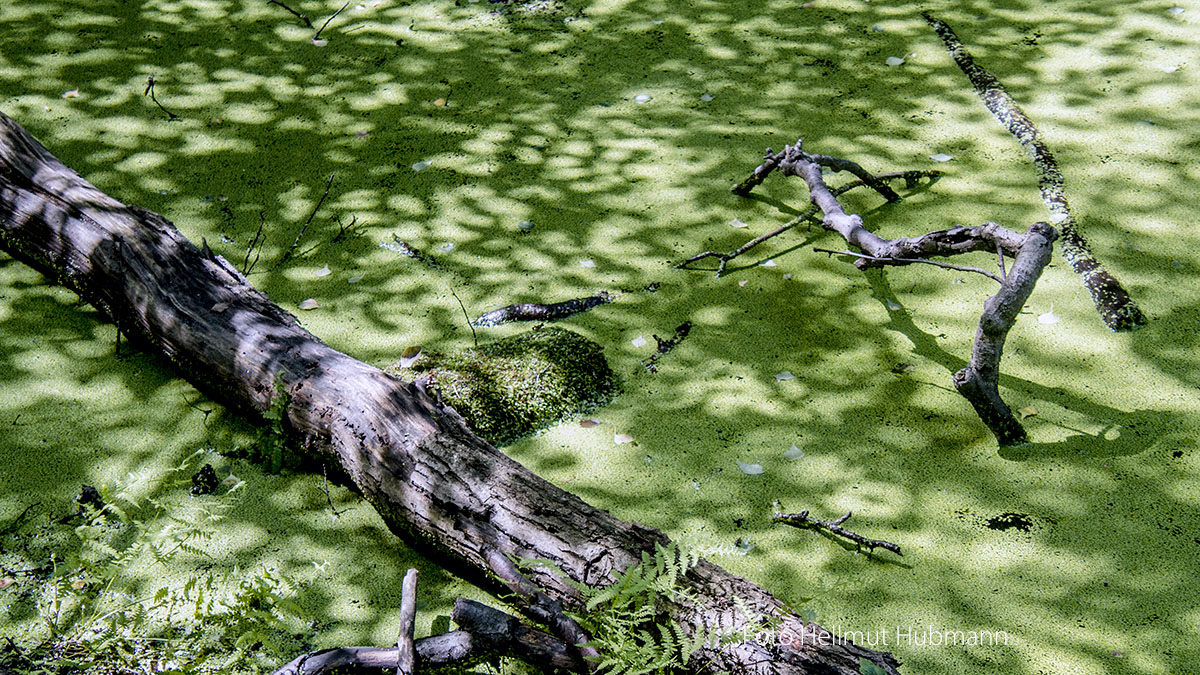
979 381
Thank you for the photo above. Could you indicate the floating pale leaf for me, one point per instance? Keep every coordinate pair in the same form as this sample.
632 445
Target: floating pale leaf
74 93
446 247
894 306
706 97
355 279
941 157
743 282
440 102
787 276
1027 411
1176 10
784 375
587 263
309 304
421 165
1056 218
409 356
641 98
793 453
323 272
894 61
525 225
769 263
638 341
588 422
750 469
219 307
1048 318
7 581
361 134
318 42
622 439
1168 68
737 223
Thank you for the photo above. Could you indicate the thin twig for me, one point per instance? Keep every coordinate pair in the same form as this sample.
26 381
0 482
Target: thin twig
302 17
325 489
804 520
910 180
343 230
905 261
255 242
1000 255
150 82
317 35
300 235
467 317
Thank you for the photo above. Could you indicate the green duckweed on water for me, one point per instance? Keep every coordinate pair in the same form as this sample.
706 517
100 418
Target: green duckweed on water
617 129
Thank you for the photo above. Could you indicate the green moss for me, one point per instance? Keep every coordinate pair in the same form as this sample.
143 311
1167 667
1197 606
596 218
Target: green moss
517 385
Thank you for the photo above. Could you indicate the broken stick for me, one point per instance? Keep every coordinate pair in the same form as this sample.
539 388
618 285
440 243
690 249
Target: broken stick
804 520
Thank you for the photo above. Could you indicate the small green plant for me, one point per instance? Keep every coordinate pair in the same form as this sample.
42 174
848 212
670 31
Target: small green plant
866 667
627 619
273 440
100 610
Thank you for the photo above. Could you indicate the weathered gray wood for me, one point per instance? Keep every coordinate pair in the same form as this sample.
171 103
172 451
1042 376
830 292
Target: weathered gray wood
415 461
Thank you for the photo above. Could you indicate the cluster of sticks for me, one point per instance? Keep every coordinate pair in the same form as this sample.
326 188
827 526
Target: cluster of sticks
484 635
1031 251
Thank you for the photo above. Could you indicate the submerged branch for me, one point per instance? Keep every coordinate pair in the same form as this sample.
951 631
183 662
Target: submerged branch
1116 307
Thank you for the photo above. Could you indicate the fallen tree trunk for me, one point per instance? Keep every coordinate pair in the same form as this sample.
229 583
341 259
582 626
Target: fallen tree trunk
430 477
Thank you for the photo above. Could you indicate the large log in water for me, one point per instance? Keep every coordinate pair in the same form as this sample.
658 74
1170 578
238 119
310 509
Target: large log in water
430 477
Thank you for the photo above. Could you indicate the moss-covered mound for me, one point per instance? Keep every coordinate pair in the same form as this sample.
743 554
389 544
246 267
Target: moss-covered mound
517 385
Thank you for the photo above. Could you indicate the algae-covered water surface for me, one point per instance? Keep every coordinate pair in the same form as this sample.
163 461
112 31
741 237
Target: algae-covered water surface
542 151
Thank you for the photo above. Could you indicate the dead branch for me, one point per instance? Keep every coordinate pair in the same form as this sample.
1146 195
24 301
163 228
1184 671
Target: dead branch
150 82
546 610
909 261
484 634
911 178
979 381
1116 307
804 520
304 227
303 17
317 36
540 312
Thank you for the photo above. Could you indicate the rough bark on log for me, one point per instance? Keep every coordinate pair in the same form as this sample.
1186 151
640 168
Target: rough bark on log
428 476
